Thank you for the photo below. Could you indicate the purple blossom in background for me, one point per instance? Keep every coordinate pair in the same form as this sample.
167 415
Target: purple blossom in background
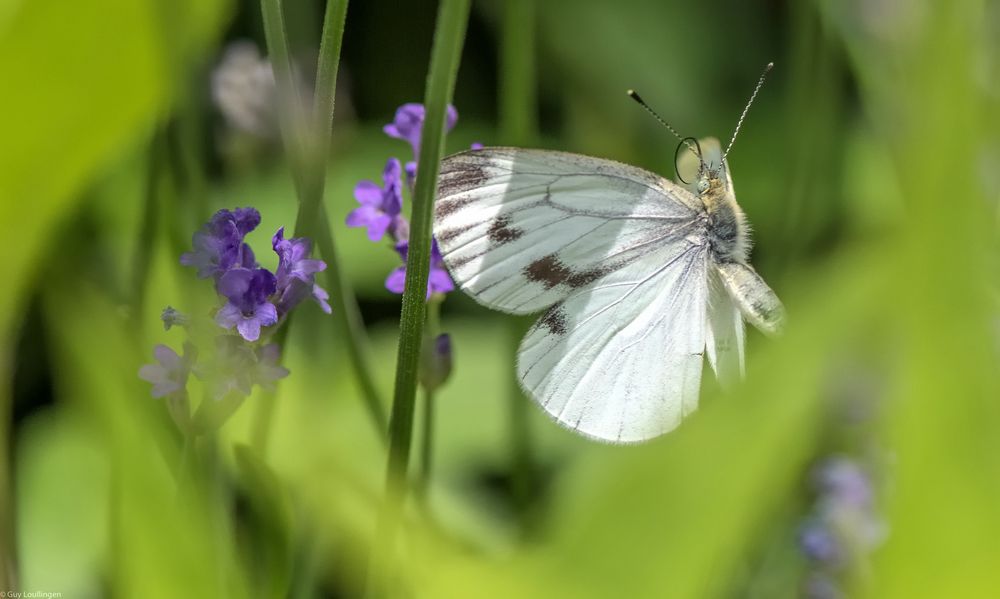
476 146
218 245
380 206
267 370
248 308
438 280
818 542
408 125
171 374
296 274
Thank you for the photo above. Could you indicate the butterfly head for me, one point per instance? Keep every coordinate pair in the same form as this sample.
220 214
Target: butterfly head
711 180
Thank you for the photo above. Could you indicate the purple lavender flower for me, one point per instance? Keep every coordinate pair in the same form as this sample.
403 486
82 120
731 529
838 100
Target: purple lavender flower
237 367
248 308
408 124
438 280
232 369
218 245
296 274
380 206
171 374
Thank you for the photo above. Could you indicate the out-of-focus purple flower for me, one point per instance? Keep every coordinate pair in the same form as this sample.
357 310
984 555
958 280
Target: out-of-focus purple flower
819 586
438 280
380 206
218 245
238 367
267 370
171 374
173 318
296 274
232 369
843 481
248 308
476 146
818 542
408 124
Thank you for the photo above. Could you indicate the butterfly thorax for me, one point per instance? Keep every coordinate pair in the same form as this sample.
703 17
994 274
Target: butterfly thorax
727 228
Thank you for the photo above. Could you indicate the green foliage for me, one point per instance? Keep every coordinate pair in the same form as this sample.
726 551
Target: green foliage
868 166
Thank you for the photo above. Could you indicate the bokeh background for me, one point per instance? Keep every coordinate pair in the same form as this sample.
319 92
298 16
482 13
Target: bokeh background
861 457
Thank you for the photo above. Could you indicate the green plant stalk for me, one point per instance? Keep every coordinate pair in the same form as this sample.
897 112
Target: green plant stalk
431 332
446 55
148 226
518 127
308 161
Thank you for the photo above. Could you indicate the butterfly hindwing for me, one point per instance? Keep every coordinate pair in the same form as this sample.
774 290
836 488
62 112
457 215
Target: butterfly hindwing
621 360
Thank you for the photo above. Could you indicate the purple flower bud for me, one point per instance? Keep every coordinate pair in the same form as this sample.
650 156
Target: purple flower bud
408 124
438 280
248 308
380 206
169 377
218 245
435 362
173 318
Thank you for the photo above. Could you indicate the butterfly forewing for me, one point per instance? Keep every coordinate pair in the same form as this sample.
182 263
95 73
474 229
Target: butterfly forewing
521 229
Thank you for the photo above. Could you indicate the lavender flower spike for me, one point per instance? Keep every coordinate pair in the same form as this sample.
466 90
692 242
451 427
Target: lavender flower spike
438 280
296 275
248 309
380 206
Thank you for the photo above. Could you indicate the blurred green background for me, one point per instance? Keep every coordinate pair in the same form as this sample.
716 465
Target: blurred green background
869 167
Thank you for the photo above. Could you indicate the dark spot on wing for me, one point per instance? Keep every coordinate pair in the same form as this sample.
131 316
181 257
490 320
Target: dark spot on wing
447 236
548 271
501 232
586 277
460 175
443 208
554 320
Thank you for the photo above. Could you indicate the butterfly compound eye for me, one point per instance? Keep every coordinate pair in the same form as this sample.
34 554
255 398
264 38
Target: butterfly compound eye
702 185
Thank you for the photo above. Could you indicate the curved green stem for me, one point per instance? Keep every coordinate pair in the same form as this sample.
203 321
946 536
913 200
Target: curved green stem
308 159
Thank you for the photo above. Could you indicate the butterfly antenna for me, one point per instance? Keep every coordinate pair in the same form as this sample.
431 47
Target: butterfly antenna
686 140
760 83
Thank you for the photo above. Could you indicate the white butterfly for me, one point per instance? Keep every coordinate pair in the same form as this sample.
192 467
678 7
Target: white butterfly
638 275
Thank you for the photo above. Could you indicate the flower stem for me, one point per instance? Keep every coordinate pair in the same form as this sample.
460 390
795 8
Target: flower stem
433 329
146 239
308 159
518 127
446 54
